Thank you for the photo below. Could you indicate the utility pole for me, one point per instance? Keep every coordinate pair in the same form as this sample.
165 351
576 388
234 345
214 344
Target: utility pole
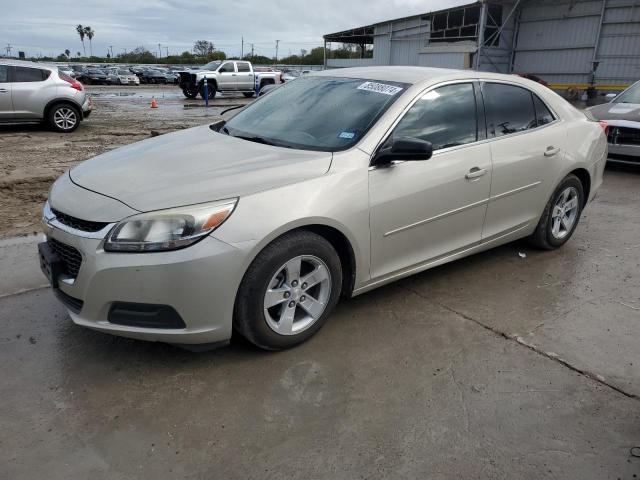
159 51
242 49
166 49
251 50
111 48
277 42
8 49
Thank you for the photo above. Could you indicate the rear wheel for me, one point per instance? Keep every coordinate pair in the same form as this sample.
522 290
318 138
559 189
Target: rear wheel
64 118
288 291
561 215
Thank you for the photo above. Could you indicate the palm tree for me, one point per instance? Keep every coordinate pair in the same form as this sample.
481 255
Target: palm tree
88 31
67 52
81 32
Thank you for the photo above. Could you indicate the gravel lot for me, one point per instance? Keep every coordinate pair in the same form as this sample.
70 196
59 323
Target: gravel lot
498 366
31 157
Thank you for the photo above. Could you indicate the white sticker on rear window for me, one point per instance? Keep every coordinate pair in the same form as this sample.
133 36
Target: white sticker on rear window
380 88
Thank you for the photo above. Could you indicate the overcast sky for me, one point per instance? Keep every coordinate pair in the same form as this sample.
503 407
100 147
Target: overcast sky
48 27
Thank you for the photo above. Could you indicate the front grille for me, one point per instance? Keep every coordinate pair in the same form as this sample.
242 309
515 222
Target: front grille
70 258
72 303
624 136
77 223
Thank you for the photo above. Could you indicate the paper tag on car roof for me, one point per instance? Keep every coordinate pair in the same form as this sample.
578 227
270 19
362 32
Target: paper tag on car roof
380 88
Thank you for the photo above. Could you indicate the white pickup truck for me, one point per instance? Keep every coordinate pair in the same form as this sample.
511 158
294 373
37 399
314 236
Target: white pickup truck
226 76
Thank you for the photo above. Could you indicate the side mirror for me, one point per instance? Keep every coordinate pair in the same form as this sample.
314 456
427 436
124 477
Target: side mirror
403 148
610 96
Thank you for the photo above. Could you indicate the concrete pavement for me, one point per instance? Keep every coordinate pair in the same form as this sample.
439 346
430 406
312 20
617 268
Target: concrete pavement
496 366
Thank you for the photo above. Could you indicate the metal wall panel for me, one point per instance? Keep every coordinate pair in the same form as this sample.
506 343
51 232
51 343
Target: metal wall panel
442 60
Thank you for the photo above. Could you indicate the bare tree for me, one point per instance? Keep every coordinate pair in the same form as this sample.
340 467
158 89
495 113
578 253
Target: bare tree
203 48
88 31
81 32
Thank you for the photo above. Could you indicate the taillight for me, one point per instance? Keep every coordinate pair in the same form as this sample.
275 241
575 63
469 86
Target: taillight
605 126
73 83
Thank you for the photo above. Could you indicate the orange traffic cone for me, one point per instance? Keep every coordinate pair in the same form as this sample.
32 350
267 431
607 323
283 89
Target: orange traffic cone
154 103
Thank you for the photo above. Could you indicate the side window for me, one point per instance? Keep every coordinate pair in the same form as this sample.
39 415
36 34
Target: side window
446 117
226 68
509 109
26 74
543 115
4 74
243 67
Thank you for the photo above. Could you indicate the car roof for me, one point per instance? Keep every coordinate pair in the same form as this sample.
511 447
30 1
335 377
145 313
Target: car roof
416 75
24 63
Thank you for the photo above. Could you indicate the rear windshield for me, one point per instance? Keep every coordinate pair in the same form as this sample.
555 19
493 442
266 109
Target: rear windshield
124 72
630 95
316 113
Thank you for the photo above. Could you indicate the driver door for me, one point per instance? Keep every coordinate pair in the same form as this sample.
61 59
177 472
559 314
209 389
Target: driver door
425 210
227 77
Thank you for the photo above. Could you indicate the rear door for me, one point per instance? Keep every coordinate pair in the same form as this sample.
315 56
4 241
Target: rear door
527 151
6 105
245 81
30 91
227 76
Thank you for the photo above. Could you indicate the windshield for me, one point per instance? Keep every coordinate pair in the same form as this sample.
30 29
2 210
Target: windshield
631 95
316 113
124 72
212 65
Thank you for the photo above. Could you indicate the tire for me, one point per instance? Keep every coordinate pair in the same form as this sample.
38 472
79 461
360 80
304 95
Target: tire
190 93
212 87
559 220
267 328
64 118
248 94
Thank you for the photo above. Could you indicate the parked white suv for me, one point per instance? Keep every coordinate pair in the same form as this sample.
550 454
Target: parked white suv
31 92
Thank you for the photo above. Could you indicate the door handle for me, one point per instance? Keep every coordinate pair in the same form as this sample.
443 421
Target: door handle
475 172
551 151
3 90
233 74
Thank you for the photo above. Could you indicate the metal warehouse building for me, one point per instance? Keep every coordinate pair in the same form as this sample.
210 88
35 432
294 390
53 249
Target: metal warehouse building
568 43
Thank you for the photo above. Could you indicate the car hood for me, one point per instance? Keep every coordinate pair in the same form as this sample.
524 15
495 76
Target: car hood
617 111
196 165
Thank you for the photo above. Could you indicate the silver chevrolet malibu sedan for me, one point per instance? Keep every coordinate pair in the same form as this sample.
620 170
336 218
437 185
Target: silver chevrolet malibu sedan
332 185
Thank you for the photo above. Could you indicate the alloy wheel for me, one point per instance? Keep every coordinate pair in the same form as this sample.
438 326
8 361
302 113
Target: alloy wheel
565 213
297 295
65 118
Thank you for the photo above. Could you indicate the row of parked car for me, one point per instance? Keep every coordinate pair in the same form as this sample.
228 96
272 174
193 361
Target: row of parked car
121 75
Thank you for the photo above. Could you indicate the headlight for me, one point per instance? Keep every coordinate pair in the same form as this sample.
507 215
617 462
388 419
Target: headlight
168 229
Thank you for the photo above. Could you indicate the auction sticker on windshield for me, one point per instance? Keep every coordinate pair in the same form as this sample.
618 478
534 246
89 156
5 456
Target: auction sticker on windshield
380 88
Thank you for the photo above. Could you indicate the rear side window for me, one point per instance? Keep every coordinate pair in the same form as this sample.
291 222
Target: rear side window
509 109
27 74
446 117
543 115
4 74
243 67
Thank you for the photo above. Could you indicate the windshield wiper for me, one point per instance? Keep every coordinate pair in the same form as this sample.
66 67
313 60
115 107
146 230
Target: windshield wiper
255 139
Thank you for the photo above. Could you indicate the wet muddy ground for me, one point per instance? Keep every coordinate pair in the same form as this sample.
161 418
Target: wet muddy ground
32 157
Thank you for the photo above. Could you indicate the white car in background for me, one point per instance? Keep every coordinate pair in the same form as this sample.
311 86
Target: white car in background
329 186
121 76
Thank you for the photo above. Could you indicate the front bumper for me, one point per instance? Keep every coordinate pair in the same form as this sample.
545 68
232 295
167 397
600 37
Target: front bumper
200 282
87 106
624 154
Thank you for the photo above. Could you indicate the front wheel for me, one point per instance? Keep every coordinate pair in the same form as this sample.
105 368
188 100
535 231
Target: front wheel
560 216
190 92
211 89
248 94
288 291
